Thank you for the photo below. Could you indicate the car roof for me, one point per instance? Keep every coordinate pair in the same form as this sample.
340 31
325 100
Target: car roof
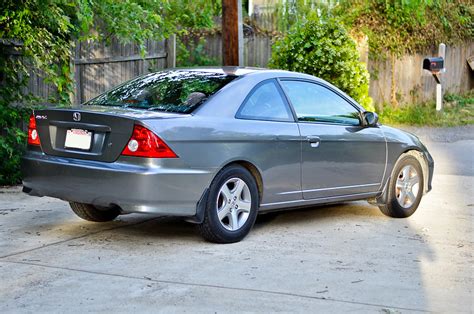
238 71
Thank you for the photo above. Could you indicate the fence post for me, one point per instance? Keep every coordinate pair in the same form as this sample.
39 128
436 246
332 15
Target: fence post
171 51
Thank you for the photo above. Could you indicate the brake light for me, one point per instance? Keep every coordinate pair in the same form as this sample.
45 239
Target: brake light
33 138
145 143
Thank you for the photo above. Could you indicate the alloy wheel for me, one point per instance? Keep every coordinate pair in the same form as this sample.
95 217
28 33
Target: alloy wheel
234 202
407 186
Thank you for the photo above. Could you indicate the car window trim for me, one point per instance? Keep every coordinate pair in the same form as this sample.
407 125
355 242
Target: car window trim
292 117
357 108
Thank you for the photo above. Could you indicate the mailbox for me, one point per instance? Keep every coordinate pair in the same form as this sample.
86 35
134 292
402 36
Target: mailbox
434 64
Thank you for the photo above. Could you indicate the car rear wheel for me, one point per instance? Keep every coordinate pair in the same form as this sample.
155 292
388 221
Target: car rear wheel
405 189
92 213
231 207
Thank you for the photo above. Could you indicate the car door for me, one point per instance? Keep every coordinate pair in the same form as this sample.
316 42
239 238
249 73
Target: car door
268 121
340 156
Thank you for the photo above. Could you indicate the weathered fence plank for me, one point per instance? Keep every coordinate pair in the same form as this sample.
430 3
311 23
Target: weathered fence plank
100 67
413 84
257 49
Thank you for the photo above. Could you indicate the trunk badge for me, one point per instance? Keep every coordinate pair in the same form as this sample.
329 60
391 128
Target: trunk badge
76 116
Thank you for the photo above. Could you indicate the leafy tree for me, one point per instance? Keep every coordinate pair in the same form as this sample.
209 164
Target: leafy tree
322 47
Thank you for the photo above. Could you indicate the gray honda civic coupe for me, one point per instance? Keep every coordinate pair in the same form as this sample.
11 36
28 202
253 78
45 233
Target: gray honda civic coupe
217 146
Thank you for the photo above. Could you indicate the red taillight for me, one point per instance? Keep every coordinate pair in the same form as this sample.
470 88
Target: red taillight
145 143
33 137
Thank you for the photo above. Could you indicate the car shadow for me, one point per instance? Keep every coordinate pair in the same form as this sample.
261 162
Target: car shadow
319 212
176 228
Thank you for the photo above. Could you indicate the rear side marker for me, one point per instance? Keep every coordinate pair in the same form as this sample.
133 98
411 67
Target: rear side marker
145 143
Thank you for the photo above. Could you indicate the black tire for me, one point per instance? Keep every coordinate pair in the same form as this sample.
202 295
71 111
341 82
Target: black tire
92 213
212 229
392 207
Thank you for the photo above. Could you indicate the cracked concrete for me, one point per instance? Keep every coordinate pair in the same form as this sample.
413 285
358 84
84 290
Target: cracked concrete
336 258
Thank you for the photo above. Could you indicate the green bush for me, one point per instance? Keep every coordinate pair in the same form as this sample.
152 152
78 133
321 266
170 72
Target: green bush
12 117
323 48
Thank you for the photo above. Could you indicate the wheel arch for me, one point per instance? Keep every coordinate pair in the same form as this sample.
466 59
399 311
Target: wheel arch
418 154
254 171
415 152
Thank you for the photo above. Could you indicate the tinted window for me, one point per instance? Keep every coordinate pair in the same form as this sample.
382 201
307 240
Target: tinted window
265 103
313 102
173 91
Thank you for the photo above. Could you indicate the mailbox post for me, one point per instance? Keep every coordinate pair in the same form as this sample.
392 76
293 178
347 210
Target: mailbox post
436 66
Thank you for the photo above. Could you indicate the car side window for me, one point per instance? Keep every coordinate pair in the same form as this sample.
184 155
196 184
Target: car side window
315 103
265 103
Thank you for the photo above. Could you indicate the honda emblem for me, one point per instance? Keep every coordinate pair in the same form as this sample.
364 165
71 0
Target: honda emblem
76 116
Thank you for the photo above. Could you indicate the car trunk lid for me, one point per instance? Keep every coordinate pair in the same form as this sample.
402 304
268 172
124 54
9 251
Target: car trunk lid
97 133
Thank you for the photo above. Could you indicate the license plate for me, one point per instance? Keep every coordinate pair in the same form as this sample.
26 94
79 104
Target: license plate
78 138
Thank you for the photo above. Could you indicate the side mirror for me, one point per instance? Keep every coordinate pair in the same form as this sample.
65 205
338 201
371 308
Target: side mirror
370 118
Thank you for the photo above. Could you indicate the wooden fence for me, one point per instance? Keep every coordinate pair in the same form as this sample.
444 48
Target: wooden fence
411 83
257 49
99 66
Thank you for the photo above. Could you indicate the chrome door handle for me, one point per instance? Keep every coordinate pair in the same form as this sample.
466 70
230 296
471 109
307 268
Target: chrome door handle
314 141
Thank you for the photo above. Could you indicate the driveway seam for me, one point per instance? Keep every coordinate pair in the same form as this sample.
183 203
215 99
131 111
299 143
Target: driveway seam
78 237
172 282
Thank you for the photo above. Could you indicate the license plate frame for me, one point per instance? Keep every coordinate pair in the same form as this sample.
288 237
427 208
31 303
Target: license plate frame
78 139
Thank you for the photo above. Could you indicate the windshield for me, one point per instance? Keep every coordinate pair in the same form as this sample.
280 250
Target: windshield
171 91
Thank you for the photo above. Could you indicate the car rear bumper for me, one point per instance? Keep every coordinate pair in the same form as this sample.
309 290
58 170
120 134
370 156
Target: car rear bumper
153 187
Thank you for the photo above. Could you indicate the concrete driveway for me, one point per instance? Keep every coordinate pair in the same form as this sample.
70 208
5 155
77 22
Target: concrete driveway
328 259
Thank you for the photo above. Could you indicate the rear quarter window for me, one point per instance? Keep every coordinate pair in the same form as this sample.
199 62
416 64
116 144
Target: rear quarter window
265 102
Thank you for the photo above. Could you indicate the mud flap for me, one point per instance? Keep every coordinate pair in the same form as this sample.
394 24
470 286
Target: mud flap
200 209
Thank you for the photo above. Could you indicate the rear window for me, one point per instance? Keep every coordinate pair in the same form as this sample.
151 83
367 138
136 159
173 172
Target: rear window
171 91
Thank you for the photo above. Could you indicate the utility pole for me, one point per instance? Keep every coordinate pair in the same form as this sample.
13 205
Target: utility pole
232 32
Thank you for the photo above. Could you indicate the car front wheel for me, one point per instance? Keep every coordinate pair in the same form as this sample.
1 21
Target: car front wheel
231 207
405 189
